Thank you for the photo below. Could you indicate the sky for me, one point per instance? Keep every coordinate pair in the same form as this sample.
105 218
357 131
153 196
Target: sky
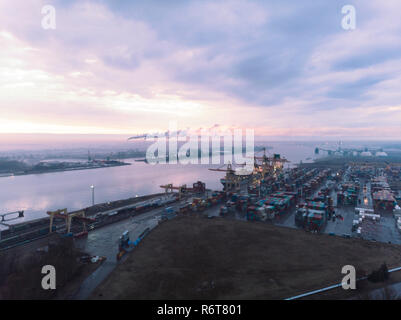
286 69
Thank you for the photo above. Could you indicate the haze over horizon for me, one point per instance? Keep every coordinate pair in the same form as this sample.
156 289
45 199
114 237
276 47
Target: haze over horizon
286 69
117 142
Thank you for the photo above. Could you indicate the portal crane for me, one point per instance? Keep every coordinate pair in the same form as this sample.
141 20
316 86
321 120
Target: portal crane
78 215
269 164
3 215
229 169
198 186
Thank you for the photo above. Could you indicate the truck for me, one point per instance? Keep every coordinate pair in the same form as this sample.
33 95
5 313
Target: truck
126 245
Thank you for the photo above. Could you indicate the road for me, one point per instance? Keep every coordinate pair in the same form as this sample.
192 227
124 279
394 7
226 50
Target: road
104 242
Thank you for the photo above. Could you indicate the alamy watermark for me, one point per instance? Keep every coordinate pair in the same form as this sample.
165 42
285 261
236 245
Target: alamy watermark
49 19
349 20
349 281
49 280
205 146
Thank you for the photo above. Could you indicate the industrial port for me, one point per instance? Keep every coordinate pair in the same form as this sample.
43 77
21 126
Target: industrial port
346 201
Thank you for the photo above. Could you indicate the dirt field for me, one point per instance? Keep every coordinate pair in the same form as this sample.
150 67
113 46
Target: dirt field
20 269
199 258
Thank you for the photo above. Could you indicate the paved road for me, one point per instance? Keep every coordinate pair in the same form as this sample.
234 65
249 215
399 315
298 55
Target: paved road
104 242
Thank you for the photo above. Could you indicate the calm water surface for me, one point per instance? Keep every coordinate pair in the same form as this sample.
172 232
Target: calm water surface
39 193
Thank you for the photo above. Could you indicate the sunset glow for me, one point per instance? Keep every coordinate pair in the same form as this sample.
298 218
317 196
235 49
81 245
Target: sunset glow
108 69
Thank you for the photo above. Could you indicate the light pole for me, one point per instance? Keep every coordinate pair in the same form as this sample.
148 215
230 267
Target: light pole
93 194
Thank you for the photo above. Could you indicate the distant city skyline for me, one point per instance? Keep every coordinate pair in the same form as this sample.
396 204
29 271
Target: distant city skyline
286 69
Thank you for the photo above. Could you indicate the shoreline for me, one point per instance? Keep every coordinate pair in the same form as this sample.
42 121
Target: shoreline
5 175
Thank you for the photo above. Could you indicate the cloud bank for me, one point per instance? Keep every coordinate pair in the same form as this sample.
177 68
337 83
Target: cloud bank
285 68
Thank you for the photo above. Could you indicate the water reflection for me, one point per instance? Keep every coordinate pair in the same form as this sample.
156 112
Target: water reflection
71 189
37 194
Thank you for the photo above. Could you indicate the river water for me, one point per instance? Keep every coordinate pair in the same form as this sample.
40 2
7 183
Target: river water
39 193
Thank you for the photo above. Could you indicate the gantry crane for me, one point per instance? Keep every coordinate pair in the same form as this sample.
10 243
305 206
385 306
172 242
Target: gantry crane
231 180
270 164
198 186
229 169
63 214
169 188
20 215
4 215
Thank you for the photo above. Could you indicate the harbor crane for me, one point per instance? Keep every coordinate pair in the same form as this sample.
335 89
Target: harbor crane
229 169
233 179
4 215
63 214
270 164
274 160
197 187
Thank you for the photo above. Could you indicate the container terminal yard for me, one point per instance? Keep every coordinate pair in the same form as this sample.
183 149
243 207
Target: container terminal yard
348 200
